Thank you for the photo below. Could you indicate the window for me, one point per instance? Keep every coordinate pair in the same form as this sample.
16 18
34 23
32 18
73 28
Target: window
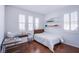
22 22
70 21
30 23
74 20
36 23
66 22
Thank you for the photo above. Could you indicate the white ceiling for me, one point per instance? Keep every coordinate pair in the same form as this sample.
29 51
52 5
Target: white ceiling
42 9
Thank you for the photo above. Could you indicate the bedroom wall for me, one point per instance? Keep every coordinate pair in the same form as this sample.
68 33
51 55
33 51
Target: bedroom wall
70 37
2 10
12 19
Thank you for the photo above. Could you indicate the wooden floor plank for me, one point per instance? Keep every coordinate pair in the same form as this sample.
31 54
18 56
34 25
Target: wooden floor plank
35 47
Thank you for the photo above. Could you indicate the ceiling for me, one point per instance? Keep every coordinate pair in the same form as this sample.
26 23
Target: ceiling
42 9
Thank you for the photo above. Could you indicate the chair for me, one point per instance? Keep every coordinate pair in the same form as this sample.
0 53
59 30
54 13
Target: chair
30 35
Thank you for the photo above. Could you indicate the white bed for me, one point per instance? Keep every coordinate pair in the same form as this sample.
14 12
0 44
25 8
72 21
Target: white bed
47 39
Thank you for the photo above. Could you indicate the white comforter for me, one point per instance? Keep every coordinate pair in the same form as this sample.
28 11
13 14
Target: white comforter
48 40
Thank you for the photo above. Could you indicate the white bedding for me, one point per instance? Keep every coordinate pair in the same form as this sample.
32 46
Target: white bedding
48 39
48 36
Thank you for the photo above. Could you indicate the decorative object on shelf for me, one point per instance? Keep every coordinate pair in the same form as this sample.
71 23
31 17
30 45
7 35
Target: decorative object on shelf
50 21
53 25
45 25
56 25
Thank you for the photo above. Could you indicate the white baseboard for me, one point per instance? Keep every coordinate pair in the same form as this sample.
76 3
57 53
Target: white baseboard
72 44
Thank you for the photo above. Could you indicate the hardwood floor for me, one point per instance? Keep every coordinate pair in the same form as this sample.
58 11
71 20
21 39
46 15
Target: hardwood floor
35 47
63 48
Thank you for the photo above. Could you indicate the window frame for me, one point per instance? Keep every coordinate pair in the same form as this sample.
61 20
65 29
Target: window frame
30 23
37 22
74 22
67 23
71 21
21 22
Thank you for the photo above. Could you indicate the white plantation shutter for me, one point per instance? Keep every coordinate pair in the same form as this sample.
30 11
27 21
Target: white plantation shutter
22 22
74 19
30 23
36 23
66 22
71 21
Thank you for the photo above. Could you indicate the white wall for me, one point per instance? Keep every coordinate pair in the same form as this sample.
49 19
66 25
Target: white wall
12 18
71 38
1 23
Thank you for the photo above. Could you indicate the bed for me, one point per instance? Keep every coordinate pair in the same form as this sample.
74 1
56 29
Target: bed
48 39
